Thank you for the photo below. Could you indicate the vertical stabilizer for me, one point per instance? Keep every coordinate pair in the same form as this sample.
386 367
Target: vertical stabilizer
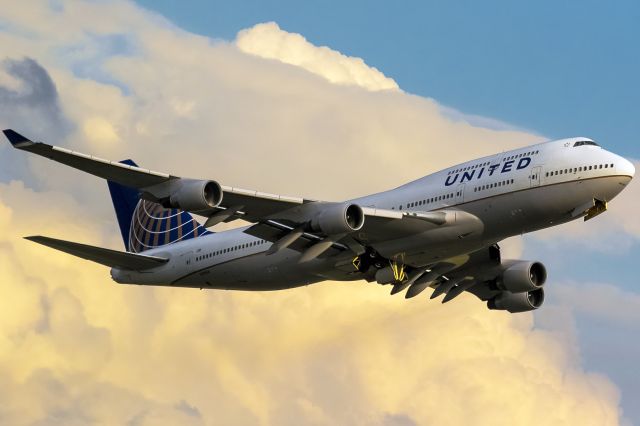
145 224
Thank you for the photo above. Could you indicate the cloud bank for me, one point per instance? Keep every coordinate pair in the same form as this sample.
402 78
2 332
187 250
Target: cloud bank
269 41
76 348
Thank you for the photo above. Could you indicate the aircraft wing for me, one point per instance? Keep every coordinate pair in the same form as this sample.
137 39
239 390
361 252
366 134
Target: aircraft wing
135 177
452 277
482 274
236 202
380 226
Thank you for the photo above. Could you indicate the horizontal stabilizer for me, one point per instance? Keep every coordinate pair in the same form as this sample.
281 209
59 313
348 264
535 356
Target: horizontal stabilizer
107 257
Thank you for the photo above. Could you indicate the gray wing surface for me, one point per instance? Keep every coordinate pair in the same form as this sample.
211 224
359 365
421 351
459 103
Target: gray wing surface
134 177
251 205
103 256
473 273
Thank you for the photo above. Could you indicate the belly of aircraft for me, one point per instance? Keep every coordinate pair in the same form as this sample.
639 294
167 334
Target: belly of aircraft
540 207
256 272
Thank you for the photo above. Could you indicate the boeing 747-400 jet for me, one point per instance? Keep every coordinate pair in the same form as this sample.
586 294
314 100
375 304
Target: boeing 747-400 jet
440 231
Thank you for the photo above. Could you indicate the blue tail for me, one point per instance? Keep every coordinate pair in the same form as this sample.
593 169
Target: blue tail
145 224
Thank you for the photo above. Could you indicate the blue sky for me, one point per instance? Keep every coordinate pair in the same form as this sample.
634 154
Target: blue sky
557 68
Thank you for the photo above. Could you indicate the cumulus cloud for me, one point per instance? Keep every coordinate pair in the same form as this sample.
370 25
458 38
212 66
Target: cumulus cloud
29 94
269 41
596 300
77 348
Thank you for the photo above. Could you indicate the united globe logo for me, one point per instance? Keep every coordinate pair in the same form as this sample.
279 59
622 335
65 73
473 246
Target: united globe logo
154 226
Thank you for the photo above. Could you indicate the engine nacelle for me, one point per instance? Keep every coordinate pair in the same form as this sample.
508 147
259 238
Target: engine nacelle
196 195
339 219
517 302
523 276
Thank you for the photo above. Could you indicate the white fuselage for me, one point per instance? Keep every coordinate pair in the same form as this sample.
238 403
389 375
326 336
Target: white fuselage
511 193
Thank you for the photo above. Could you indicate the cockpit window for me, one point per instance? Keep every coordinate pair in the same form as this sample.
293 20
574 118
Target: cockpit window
581 143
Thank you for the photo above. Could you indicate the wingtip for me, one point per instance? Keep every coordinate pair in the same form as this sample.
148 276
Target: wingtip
16 138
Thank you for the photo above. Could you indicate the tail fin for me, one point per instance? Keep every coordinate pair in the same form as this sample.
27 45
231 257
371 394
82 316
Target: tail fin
145 224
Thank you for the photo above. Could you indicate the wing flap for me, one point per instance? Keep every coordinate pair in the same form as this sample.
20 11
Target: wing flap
103 256
274 231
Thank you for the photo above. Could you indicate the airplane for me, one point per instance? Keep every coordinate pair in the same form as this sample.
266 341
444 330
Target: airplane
440 231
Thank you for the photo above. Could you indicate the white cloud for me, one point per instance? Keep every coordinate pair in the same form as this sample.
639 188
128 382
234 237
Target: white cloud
605 302
269 41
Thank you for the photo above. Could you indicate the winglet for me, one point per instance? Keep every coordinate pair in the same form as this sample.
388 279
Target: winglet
16 139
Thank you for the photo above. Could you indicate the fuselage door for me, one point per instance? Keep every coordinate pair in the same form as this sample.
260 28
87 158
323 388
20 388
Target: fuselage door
460 194
186 258
534 178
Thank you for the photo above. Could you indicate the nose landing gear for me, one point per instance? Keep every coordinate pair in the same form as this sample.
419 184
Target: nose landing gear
599 207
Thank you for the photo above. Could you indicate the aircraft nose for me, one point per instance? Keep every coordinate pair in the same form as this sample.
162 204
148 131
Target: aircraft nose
627 168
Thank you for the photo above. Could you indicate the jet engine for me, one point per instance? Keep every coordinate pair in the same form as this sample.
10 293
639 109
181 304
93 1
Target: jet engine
517 302
196 195
523 276
338 219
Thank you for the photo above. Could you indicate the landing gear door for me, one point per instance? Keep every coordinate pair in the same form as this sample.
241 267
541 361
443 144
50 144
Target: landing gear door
460 194
534 177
